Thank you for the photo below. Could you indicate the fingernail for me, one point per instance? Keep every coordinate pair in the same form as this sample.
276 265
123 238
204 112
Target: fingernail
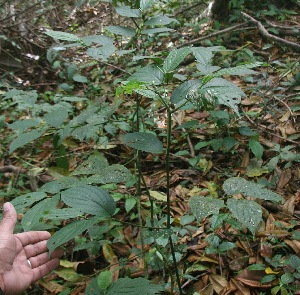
6 206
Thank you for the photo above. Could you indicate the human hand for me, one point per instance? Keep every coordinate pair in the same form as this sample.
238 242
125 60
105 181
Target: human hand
24 257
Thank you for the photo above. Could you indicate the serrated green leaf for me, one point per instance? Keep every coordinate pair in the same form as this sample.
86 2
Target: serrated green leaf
224 91
23 125
32 220
238 70
256 148
202 207
134 287
268 279
90 200
156 31
63 36
160 20
56 117
147 93
130 203
143 141
257 266
127 11
237 185
247 212
21 202
25 138
119 30
69 232
150 74
225 246
203 55
185 91
229 143
175 57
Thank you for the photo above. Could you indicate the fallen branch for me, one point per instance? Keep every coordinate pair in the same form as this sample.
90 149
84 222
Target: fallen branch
9 168
230 29
269 36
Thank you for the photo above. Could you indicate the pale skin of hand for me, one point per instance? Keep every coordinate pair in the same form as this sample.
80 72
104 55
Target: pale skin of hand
16 275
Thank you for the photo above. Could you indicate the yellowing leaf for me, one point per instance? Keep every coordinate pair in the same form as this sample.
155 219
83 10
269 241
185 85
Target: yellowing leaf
269 270
158 196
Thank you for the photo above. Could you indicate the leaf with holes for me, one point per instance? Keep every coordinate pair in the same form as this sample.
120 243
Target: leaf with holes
127 11
32 220
225 92
186 90
202 207
238 185
113 174
122 31
90 200
20 203
175 57
247 212
146 142
56 117
69 232
160 20
94 164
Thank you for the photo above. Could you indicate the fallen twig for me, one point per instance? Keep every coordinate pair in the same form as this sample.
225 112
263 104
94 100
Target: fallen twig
230 29
266 34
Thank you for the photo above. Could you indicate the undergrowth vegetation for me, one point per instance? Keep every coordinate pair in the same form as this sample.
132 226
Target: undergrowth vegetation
161 165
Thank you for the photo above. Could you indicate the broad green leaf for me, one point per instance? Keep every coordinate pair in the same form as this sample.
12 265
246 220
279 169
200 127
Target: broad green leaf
184 91
237 185
144 4
32 220
93 165
134 287
64 213
294 261
90 199
287 278
239 70
104 279
150 74
224 91
160 20
93 288
101 53
225 246
21 202
98 39
229 143
57 117
175 57
119 30
69 232
80 79
26 138
130 203
63 36
127 11
156 31
247 131
55 186
113 174
23 125
143 141
256 148
202 207
247 212
203 55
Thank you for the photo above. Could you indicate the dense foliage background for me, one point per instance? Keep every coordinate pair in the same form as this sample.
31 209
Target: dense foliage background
158 141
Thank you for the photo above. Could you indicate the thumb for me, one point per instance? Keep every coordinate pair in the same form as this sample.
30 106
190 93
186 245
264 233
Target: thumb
9 220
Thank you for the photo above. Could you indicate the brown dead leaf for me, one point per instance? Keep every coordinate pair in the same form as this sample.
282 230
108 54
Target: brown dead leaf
51 286
294 244
218 282
285 177
252 278
289 206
